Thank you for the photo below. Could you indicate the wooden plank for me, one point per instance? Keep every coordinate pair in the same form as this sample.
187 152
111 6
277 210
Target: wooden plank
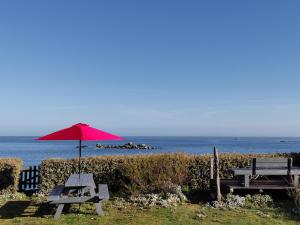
246 180
72 200
257 184
99 210
84 180
272 172
211 168
55 193
103 191
59 211
295 171
217 175
30 176
21 181
25 179
271 165
38 180
272 160
261 187
242 171
296 181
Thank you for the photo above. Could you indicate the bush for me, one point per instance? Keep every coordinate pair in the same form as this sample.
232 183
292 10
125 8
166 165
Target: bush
154 173
258 201
130 175
231 201
143 174
9 175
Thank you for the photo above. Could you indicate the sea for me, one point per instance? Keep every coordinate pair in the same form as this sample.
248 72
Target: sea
32 152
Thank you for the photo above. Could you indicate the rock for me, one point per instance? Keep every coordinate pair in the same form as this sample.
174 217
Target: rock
129 145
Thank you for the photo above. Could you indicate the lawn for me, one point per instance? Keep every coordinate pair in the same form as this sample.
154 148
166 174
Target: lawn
30 212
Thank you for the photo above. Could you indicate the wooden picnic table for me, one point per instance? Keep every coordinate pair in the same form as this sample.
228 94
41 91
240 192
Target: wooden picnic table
78 189
269 167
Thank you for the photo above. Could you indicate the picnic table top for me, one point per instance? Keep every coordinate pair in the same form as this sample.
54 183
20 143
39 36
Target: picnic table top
84 180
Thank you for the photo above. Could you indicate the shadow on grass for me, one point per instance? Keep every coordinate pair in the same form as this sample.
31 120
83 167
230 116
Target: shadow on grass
12 209
196 196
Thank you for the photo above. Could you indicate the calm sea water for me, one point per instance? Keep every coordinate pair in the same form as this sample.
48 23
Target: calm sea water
32 151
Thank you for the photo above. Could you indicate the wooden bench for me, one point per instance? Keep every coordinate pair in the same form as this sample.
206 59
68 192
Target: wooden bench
268 167
59 196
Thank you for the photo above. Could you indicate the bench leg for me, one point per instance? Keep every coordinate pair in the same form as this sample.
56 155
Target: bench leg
296 181
99 210
246 180
59 211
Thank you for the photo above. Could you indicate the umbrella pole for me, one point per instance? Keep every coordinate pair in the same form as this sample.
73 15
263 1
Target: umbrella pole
79 168
79 162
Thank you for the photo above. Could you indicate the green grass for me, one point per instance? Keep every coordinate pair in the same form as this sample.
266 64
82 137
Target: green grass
30 212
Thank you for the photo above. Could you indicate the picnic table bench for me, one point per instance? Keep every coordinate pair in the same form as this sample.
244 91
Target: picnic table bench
268 167
78 189
263 174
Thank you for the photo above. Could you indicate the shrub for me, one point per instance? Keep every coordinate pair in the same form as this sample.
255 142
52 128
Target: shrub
143 174
167 200
231 201
154 173
258 201
9 175
12 196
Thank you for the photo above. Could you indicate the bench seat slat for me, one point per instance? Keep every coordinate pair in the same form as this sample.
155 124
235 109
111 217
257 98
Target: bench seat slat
72 200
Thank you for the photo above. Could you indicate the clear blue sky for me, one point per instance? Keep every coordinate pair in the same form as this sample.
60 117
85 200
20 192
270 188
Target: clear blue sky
151 67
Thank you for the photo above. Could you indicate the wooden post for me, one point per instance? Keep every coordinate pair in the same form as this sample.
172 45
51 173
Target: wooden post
217 175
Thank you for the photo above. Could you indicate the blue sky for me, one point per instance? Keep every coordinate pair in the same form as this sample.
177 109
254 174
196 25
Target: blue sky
224 68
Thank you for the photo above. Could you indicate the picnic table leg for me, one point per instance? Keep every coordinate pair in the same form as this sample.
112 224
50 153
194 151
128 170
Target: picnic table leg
246 181
99 208
59 211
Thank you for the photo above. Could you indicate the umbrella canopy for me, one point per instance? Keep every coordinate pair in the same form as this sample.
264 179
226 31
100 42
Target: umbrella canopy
80 132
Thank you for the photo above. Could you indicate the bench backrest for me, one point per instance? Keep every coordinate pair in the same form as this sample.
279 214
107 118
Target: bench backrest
271 163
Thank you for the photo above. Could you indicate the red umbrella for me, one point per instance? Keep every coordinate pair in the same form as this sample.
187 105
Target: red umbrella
81 132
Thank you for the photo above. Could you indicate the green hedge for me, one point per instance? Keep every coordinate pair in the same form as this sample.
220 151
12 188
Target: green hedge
146 173
9 175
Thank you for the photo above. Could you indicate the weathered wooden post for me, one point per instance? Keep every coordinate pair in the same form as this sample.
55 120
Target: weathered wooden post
217 175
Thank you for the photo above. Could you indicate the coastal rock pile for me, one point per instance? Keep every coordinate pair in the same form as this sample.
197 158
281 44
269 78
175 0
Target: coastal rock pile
129 145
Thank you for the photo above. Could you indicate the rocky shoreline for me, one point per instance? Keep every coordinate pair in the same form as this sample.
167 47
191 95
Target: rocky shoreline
129 145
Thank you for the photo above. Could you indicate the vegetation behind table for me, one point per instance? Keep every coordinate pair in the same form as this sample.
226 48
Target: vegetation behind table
132 175
136 174
9 175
